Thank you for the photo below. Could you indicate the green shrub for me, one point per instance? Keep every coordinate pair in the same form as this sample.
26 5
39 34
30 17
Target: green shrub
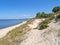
45 22
38 15
56 9
52 17
43 26
41 15
57 18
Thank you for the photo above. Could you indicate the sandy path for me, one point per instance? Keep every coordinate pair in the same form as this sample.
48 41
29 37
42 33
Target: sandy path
35 23
4 31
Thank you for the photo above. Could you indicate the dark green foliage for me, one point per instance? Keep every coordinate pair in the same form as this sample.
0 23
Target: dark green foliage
50 14
57 18
52 17
43 26
45 22
56 9
38 15
41 15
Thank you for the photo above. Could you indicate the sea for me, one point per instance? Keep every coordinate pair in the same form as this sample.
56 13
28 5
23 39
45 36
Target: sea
4 23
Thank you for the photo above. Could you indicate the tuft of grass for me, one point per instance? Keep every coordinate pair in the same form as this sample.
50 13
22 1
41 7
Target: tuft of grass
43 26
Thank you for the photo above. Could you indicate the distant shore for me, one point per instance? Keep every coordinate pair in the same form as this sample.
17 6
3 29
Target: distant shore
4 31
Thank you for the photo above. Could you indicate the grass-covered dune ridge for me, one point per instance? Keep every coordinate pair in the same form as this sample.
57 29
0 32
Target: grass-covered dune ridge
10 38
16 36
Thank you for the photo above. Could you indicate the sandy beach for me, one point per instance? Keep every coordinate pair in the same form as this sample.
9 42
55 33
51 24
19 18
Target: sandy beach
4 31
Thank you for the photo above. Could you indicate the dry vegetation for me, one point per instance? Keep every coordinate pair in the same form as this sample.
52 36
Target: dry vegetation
15 36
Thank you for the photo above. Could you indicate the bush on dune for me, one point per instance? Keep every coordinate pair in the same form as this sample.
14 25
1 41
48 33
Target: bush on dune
45 23
56 9
43 26
41 15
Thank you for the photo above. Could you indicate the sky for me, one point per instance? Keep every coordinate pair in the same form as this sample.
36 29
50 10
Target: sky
19 9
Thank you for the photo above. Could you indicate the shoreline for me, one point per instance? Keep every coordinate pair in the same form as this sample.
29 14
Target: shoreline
4 31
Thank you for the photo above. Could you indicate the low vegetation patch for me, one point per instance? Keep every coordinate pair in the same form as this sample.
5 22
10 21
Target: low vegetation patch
45 23
42 15
43 26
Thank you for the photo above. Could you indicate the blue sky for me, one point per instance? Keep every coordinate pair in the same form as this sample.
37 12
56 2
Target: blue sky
17 9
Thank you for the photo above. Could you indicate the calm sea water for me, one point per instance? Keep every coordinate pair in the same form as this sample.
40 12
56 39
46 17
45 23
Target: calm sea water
10 22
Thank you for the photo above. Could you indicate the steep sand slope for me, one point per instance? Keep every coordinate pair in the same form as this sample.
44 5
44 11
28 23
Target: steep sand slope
49 36
17 35
35 23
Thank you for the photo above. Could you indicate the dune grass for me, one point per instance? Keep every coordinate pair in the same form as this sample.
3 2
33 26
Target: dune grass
14 37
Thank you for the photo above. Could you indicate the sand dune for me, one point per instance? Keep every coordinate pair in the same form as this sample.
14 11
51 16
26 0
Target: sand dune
4 31
48 36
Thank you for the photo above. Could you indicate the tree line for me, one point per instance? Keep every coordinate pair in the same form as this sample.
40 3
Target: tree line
48 17
45 15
